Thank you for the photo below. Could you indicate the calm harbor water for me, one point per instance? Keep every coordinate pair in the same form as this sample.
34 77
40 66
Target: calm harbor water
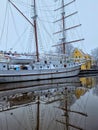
60 104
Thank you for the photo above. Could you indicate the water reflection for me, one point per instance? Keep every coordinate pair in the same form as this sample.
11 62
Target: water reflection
53 104
89 81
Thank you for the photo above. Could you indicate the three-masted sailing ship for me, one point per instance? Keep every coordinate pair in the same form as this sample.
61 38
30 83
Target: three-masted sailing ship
41 69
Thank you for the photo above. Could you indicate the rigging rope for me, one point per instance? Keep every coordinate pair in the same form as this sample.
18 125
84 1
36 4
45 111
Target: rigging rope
18 121
25 4
7 31
2 31
14 23
22 34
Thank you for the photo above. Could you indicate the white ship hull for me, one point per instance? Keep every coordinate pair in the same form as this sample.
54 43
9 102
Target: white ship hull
7 76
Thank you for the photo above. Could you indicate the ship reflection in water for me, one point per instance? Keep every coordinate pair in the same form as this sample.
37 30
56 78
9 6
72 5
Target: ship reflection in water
51 104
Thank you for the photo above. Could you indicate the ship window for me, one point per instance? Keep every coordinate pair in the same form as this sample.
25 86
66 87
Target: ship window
45 62
47 66
4 66
32 67
40 66
54 65
60 62
24 68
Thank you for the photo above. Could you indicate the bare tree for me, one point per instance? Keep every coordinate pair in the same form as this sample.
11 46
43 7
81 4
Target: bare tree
94 53
68 49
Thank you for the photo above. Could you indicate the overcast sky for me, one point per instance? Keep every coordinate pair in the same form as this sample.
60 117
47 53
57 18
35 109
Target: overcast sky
88 15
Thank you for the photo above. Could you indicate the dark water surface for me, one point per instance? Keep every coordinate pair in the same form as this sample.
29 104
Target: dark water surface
62 104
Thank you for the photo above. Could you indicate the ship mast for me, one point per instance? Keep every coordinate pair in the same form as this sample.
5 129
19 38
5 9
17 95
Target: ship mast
67 111
64 29
63 20
35 31
38 113
33 25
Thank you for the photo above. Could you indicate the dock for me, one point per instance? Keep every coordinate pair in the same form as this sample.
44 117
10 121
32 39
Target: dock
88 72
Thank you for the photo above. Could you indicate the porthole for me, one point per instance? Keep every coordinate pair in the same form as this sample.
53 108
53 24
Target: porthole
4 66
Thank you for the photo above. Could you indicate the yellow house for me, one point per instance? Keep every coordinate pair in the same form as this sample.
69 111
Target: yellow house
80 91
81 57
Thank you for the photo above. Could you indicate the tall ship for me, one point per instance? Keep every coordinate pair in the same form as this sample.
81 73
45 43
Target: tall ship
40 67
